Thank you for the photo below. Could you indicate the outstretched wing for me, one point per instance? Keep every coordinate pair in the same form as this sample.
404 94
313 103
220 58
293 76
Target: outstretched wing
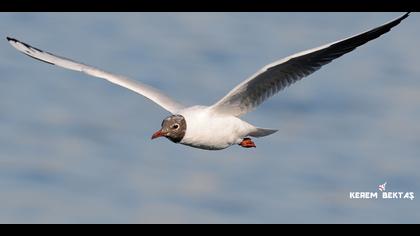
140 88
278 75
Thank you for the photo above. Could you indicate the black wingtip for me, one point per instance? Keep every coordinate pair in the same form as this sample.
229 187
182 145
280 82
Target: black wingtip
11 39
404 16
397 21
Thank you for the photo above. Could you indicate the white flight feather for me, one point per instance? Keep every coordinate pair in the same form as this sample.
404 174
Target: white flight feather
276 76
140 88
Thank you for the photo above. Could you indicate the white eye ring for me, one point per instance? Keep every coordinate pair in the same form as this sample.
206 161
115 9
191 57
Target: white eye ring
175 126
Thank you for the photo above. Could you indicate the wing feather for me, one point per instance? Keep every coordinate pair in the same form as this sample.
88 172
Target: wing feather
140 88
280 74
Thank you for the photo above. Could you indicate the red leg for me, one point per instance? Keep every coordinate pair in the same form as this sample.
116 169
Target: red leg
247 143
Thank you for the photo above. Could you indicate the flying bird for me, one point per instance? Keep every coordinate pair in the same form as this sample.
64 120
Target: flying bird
219 126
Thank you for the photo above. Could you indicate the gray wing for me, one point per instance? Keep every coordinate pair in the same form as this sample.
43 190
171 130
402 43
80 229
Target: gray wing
278 75
140 88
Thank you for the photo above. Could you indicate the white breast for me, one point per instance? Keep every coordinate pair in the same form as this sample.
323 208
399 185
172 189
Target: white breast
212 131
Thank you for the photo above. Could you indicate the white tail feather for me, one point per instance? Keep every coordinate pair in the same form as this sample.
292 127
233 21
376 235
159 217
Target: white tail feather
260 132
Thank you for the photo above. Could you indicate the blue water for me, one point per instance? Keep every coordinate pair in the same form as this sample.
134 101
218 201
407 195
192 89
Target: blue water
75 149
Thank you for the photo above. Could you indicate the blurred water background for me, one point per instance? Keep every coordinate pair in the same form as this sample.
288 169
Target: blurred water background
76 149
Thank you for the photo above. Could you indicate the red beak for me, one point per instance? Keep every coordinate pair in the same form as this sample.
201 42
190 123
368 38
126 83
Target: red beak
158 134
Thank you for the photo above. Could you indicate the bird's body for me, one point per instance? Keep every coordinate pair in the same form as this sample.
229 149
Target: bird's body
219 126
210 130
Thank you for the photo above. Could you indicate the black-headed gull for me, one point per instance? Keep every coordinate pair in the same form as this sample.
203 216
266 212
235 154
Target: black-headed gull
219 126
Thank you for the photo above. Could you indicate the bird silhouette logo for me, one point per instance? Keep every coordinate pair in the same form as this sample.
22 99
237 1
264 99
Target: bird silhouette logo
382 187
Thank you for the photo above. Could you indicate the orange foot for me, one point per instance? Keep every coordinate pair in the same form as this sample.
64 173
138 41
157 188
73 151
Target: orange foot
247 143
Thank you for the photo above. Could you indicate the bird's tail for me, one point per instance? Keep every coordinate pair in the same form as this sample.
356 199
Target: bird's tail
260 132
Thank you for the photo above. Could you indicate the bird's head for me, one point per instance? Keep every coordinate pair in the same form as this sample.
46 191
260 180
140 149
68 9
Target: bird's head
173 128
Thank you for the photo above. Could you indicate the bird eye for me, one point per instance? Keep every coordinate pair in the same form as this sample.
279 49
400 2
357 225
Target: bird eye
175 126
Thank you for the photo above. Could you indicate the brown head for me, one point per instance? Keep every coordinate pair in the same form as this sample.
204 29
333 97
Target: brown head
173 128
